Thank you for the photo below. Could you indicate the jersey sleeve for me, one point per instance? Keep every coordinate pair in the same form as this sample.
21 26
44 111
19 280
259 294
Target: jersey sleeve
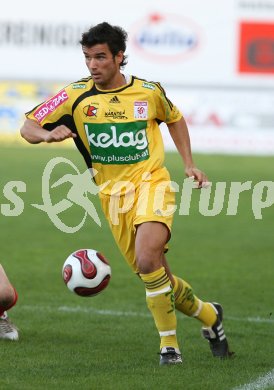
55 110
166 111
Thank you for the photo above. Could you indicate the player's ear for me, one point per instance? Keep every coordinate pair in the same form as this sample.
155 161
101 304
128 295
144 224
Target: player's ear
120 57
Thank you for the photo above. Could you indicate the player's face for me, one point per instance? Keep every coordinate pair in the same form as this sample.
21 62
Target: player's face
103 67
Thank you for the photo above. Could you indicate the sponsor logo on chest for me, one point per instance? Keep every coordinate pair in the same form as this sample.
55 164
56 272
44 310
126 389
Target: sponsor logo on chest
140 110
118 144
90 110
116 114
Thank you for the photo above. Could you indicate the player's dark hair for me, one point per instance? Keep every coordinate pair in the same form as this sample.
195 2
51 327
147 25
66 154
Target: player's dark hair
114 36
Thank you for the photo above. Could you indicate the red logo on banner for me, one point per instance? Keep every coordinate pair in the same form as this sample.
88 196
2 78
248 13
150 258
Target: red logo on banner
256 51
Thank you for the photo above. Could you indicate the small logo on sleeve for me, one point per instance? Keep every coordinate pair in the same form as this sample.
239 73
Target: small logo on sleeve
51 105
79 86
148 86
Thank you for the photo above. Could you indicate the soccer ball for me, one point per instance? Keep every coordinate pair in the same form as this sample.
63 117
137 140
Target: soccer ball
86 272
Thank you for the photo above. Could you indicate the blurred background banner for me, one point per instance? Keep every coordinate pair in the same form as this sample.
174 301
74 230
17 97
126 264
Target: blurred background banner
215 58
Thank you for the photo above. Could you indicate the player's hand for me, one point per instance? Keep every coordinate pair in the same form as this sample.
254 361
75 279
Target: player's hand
199 177
59 134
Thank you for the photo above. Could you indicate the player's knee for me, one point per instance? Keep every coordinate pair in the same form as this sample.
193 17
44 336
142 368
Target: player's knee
147 263
7 296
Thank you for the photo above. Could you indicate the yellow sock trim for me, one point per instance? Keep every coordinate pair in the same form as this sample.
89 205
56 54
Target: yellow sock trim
156 280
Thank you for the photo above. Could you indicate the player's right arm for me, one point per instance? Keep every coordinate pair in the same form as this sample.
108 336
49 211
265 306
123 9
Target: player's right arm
52 120
32 132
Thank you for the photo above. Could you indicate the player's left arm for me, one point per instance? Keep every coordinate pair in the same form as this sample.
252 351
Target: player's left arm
180 135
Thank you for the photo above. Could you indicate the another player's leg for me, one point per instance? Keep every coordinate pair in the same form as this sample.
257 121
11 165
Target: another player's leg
8 298
150 240
210 314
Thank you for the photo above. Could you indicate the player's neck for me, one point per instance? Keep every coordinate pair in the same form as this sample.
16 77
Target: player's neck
117 82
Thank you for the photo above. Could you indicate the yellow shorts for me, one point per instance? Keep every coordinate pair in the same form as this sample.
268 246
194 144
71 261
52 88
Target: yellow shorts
153 200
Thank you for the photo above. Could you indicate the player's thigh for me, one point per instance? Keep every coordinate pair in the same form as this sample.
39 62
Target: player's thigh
151 236
123 231
156 200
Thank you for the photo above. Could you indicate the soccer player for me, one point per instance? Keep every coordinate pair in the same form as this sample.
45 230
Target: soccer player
8 298
114 121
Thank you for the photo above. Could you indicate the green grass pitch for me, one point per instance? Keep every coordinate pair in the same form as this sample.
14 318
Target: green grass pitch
109 341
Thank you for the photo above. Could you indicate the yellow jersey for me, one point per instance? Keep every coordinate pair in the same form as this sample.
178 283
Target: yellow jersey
117 130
